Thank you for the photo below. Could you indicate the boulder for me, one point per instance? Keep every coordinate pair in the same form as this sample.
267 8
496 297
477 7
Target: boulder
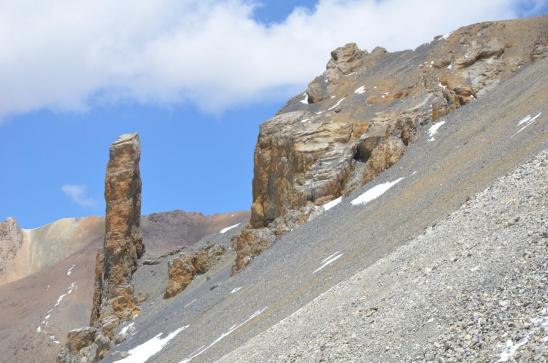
250 243
181 271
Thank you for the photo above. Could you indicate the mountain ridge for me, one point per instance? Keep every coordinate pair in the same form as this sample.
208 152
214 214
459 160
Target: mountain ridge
379 150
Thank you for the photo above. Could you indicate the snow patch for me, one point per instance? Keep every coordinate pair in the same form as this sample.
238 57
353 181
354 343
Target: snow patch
305 99
226 229
69 271
526 121
328 261
236 289
360 90
446 36
70 289
336 104
331 204
450 66
141 353
375 192
511 348
434 130
232 329
190 303
126 328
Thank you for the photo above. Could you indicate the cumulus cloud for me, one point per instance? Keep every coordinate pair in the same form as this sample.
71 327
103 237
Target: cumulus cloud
78 194
72 54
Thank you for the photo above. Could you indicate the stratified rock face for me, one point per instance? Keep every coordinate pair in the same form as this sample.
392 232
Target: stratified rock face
11 239
318 146
113 300
123 239
357 118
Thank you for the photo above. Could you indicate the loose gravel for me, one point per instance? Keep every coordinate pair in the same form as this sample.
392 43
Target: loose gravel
474 287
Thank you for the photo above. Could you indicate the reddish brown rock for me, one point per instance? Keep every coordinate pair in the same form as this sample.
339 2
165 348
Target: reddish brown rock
182 269
98 287
250 243
123 240
382 157
80 338
113 300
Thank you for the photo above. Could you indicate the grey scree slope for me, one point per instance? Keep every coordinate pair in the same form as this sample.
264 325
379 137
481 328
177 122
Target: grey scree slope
471 151
473 287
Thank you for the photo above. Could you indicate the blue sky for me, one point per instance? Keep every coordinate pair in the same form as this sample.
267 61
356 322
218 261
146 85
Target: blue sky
197 103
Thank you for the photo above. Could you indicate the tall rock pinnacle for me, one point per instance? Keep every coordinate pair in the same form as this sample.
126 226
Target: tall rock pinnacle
113 300
123 240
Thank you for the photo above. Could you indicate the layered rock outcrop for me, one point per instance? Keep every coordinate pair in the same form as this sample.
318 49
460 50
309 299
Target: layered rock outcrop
250 243
123 239
357 118
183 268
113 300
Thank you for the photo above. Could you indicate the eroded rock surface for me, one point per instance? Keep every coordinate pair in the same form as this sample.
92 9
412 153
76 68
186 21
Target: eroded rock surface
250 243
357 118
11 239
113 300
123 240
183 268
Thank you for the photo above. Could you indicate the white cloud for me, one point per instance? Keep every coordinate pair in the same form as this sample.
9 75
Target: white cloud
71 54
79 195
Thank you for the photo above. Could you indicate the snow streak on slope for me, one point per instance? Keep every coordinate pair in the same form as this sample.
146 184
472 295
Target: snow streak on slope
69 271
331 204
328 261
336 104
527 121
375 192
232 329
142 353
226 229
434 129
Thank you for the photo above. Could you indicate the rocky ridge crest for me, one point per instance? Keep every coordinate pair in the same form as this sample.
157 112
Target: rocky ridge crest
357 119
